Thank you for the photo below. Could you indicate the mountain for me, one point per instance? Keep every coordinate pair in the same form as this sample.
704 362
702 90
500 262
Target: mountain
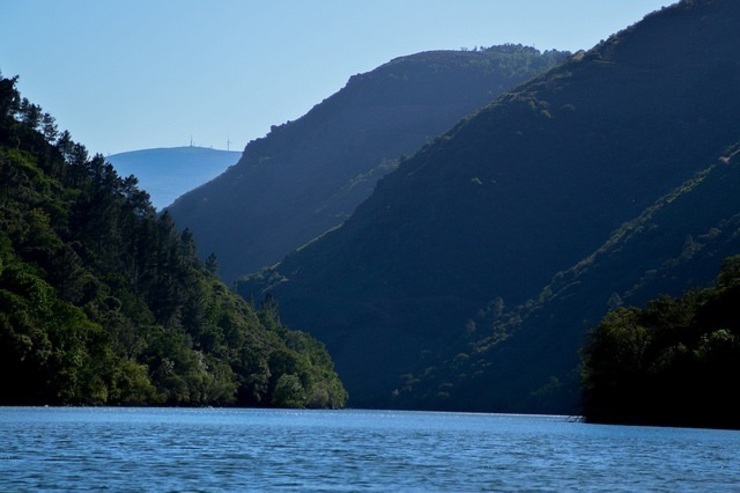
167 173
479 221
307 176
102 301
677 244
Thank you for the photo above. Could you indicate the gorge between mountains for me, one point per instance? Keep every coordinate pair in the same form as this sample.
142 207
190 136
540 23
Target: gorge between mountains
477 230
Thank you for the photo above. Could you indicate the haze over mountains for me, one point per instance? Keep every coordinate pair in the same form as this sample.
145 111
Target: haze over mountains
468 278
167 173
307 176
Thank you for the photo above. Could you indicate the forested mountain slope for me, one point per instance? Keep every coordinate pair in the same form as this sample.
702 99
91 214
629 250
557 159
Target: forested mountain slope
675 362
104 302
526 188
678 243
308 176
167 173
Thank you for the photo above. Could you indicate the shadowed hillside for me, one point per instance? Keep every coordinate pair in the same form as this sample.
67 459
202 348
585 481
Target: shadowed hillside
308 176
677 243
526 188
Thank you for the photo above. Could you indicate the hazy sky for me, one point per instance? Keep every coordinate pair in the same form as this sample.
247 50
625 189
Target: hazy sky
132 74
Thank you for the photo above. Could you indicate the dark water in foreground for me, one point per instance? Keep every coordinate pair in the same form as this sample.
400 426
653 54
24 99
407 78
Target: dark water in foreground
113 449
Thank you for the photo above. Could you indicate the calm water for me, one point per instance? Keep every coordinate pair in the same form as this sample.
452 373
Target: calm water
112 449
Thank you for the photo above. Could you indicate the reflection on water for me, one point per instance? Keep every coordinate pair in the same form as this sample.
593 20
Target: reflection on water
119 449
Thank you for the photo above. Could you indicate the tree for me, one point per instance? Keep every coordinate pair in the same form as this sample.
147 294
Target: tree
30 114
9 97
49 127
289 392
212 264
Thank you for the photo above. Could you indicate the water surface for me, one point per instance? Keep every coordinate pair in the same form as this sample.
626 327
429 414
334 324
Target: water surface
219 450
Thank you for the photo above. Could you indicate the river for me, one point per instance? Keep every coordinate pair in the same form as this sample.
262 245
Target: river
229 450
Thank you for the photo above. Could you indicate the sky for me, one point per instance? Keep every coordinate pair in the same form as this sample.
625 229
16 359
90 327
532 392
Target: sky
123 75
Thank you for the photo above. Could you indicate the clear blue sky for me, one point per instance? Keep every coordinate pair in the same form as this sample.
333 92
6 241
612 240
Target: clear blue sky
133 74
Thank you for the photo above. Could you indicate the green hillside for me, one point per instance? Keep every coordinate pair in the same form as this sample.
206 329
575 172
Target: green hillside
307 176
103 302
481 219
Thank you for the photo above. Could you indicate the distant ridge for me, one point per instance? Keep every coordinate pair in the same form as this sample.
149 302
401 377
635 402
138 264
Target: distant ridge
167 173
307 176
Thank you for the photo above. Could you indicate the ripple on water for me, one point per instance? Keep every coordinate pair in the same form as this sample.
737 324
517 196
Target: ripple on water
248 450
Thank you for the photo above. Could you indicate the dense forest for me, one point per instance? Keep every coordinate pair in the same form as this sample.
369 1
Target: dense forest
675 362
102 301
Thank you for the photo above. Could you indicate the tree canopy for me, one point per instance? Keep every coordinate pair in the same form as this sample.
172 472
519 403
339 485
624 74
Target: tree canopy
675 362
102 301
